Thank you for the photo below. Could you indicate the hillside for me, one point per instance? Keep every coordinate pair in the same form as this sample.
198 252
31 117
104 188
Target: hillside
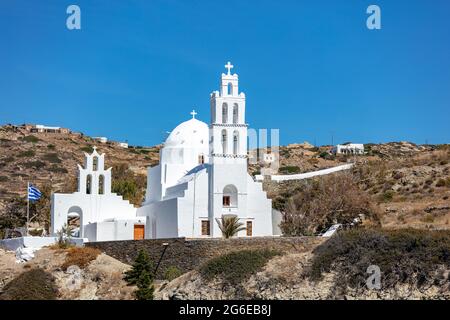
409 184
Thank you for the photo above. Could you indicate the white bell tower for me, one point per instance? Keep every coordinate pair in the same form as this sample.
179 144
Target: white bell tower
228 152
93 178
228 130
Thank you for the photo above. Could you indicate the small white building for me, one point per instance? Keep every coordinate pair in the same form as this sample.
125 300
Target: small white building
349 148
101 139
123 144
102 215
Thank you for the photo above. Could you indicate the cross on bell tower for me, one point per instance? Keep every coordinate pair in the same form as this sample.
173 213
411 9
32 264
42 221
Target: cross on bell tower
229 66
193 113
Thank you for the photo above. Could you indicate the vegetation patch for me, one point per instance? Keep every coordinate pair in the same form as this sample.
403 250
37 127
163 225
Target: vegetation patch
408 256
289 170
236 266
80 256
32 139
52 157
88 149
172 273
34 164
27 154
35 284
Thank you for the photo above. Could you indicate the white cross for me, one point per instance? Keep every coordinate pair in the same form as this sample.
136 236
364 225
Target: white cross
229 66
193 114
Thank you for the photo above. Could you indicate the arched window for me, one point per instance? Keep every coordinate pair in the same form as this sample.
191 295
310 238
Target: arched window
224 141
95 164
224 113
230 196
101 184
235 113
230 89
88 184
235 142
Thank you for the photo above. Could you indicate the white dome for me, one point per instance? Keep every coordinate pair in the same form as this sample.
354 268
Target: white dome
189 134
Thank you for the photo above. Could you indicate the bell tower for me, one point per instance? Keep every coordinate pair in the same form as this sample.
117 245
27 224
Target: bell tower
228 152
228 130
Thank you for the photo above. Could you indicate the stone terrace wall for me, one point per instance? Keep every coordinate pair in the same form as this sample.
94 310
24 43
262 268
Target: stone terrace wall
187 255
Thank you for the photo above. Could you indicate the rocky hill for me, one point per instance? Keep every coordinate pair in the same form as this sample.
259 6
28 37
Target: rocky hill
409 183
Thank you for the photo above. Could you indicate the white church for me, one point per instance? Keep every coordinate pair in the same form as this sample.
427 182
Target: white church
201 177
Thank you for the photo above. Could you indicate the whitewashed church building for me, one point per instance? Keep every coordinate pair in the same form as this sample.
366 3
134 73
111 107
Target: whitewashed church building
202 176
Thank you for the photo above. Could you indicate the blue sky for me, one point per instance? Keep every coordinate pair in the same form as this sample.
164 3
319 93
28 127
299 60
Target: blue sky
310 68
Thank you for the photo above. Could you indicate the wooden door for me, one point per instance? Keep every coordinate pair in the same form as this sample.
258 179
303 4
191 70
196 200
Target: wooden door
139 232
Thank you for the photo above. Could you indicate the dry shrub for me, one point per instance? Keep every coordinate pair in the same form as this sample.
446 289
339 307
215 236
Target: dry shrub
407 256
80 256
326 201
35 284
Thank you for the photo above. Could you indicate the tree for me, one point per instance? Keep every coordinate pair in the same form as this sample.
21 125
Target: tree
230 226
141 275
141 264
325 201
145 287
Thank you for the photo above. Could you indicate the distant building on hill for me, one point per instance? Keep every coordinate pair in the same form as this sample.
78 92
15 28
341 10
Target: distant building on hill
101 139
348 148
39 128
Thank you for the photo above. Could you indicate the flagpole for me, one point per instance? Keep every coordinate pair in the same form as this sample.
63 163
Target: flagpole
28 205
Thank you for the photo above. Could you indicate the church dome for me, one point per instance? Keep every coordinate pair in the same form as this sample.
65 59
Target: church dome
189 134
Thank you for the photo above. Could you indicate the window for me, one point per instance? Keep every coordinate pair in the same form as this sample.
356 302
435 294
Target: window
249 228
201 159
95 163
235 142
224 113
226 201
230 196
224 141
88 184
230 89
101 184
205 228
235 113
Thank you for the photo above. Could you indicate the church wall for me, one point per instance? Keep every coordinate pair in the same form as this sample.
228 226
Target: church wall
163 222
190 254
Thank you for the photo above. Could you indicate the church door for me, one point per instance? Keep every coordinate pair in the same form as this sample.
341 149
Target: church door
139 232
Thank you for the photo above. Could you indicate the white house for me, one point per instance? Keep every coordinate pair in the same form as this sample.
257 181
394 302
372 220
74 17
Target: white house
202 177
348 148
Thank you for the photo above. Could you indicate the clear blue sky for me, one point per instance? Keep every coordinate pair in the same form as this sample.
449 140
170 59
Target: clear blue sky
310 68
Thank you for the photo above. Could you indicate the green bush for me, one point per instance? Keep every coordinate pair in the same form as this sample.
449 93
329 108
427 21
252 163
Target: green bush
88 149
289 169
404 256
387 196
142 275
27 153
172 273
32 139
35 284
236 266
52 158
51 146
34 164
3 178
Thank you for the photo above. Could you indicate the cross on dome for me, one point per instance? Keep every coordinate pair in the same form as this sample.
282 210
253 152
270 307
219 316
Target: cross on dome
229 66
193 113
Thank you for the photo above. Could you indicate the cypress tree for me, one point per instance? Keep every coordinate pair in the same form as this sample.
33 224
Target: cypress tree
141 265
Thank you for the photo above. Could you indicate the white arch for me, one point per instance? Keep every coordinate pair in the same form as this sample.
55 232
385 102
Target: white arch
230 191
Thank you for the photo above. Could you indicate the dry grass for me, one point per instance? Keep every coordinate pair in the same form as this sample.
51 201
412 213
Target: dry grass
80 256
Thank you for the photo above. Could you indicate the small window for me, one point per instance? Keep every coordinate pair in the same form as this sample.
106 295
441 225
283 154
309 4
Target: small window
95 163
205 228
201 159
226 201
101 184
249 228
88 184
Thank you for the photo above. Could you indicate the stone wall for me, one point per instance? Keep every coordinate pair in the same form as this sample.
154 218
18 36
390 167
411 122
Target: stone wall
189 254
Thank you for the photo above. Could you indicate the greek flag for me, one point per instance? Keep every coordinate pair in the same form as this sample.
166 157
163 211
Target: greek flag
33 193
